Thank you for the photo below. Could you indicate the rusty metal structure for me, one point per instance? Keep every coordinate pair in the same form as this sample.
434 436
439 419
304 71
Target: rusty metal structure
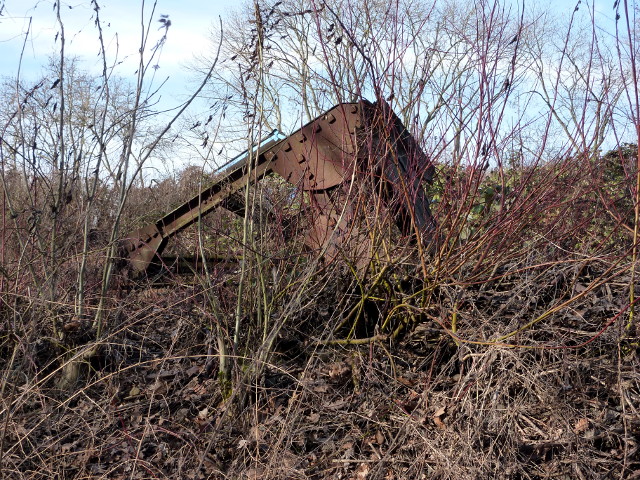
328 158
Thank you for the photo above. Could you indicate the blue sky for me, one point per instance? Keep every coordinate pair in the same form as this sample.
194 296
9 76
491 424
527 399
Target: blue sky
31 26
191 22
188 36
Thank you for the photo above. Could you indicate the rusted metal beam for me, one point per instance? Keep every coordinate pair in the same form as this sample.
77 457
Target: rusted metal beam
144 246
342 145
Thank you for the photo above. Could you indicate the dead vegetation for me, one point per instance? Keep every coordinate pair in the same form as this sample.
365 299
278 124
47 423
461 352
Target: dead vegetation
526 368
500 343
560 402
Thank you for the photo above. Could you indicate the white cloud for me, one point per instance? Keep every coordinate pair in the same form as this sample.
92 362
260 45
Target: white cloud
191 22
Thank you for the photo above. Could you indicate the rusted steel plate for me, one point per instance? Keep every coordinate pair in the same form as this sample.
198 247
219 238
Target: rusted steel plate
140 246
349 142
404 165
321 154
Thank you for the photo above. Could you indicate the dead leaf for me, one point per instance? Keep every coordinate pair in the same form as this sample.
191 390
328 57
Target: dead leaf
322 388
337 405
72 326
199 389
340 372
441 411
579 288
363 471
242 443
439 416
406 382
159 387
581 426
410 403
254 473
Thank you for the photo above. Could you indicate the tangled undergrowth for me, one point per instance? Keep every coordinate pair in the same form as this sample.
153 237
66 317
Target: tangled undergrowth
459 302
505 348
556 401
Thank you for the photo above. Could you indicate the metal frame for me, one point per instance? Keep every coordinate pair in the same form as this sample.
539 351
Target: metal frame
343 144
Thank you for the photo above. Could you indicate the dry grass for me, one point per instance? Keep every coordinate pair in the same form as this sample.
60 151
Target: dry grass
556 400
499 344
